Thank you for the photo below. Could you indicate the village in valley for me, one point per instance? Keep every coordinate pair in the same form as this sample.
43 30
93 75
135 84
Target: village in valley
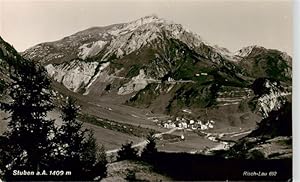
185 123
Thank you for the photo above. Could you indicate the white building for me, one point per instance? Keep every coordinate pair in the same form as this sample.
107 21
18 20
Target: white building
203 127
182 137
166 125
172 125
184 125
179 125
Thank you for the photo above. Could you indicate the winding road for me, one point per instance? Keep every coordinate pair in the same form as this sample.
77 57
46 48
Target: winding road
144 142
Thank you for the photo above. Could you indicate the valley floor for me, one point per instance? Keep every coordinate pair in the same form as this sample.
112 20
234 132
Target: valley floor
115 124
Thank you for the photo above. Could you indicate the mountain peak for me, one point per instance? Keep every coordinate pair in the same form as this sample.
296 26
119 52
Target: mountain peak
147 20
245 51
117 39
150 17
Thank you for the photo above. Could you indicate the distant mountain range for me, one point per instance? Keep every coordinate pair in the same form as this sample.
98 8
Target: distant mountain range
157 64
154 64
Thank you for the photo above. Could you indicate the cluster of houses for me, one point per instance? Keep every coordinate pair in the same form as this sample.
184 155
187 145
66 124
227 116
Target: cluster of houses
202 74
183 123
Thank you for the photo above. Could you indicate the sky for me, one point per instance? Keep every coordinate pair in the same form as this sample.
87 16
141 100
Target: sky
228 23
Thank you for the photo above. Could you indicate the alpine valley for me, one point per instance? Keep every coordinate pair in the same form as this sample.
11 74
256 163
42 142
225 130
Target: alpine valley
155 75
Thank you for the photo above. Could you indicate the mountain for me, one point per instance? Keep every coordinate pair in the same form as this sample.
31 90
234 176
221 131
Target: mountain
7 54
262 62
272 139
157 64
192 81
270 95
151 74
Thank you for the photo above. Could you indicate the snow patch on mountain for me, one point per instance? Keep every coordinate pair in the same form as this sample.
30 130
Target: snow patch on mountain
91 49
73 75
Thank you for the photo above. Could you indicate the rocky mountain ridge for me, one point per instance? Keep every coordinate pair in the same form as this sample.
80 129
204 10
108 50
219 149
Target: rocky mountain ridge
152 59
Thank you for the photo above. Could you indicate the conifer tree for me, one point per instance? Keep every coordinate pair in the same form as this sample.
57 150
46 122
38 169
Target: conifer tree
79 151
29 130
32 142
150 148
127 152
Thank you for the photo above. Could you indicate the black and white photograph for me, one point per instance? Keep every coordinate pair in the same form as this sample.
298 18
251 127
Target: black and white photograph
146 90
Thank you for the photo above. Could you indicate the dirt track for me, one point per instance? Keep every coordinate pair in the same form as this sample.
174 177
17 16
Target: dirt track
143 143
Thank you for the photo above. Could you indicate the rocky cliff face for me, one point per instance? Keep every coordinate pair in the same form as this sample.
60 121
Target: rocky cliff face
270 95
76 75
272 139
